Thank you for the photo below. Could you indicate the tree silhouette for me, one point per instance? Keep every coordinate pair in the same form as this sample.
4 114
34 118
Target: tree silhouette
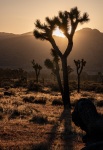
79 66
67 22
37 69
53 65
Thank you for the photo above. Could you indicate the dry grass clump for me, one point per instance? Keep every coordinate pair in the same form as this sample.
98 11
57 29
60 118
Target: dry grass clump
1 113
56 102
40 146
1 117
17 103
36 100
1 109
99 103
1 95
73 103
25 110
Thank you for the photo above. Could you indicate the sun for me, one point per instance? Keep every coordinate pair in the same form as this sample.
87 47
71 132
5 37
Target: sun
58 32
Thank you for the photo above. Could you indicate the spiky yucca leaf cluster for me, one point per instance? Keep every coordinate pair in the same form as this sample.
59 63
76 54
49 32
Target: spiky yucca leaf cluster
66 21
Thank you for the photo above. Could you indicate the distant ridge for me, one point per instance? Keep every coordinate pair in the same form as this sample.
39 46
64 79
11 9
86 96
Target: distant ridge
4 35
17 51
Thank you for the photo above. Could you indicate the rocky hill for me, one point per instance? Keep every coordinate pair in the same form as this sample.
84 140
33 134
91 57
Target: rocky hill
17 51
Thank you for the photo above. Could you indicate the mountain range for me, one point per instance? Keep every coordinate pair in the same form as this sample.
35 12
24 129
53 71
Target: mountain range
17 51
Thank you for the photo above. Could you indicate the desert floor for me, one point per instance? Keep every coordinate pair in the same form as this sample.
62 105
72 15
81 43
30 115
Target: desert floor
29 121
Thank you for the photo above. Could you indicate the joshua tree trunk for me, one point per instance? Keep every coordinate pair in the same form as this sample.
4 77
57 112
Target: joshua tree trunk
59 79
78 83
37 78
36 75
66 94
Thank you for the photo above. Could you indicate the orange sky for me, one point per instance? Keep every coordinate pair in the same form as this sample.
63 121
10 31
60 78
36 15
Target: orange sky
18 16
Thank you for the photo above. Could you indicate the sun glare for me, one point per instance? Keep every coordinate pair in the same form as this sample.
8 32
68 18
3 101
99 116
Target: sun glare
58 32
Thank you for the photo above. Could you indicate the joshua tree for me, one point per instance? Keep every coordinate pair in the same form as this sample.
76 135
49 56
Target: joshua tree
79 66
67 22
53 65
37 69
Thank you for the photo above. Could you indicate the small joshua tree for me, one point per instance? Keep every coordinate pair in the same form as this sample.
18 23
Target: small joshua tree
79 66
53 65
37 69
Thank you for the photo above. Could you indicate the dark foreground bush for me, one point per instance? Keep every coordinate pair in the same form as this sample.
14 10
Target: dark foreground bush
86 117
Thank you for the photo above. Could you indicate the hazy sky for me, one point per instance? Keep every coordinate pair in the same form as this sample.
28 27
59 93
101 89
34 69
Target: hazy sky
18 16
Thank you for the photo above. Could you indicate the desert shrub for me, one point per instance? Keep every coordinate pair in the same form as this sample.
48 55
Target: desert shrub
17 103
9 93
7 87
99 103
20 83
92 86
25 111
1 113
1 117
73 85
57 102
29 99
40 101
73 103
54 88
17 83
1 95
6 83
40 146
88 86
1 109
32 86
46 90
14 114
40 119
99 88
